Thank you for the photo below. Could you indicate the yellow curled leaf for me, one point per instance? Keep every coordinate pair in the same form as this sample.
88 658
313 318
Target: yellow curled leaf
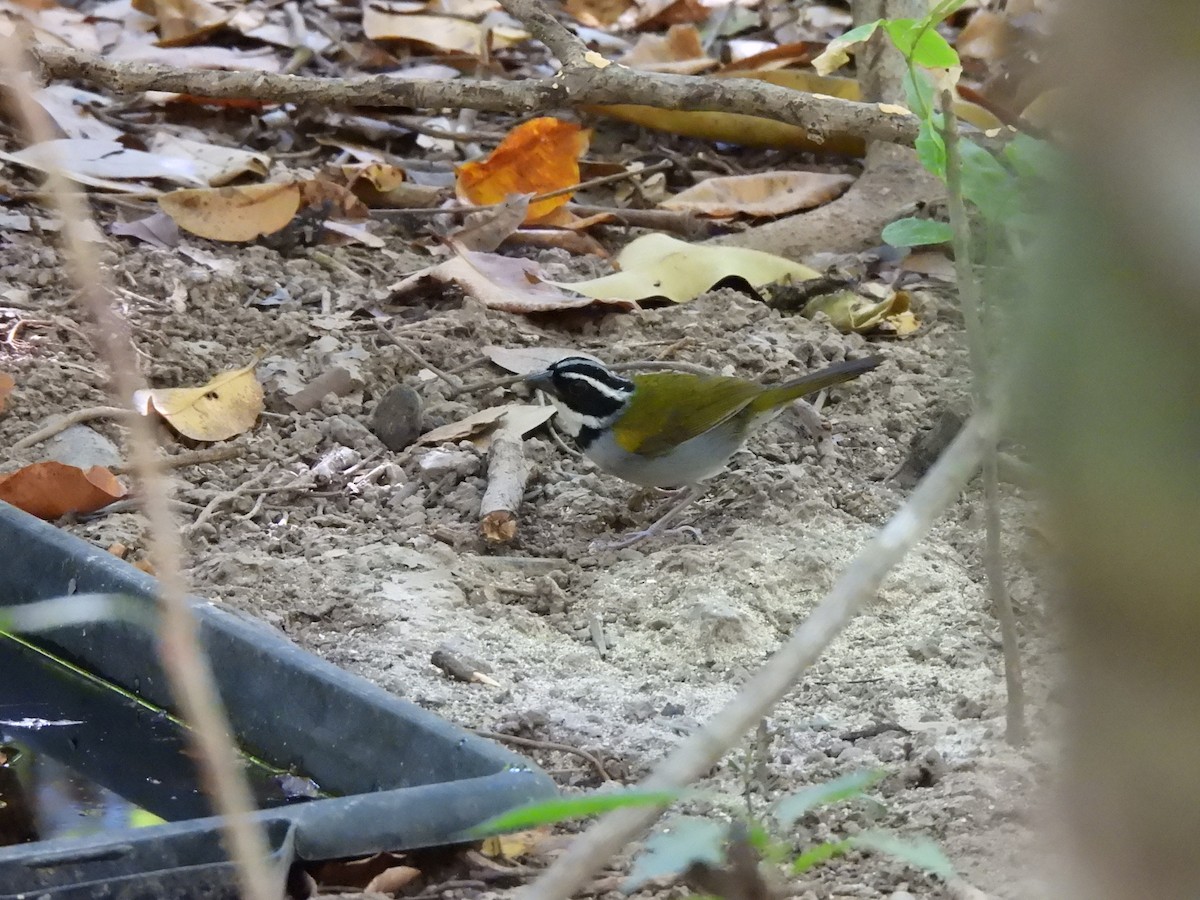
226 406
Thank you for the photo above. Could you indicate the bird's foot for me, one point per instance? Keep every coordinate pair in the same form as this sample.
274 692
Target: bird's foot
636 537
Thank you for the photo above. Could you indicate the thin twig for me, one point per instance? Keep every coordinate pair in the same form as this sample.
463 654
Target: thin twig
985 399
246 487
183 660
455 383
546 745
188 458
62 423
856 586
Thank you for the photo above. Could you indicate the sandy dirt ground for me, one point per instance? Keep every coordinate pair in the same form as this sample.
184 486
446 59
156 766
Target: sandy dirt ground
617 653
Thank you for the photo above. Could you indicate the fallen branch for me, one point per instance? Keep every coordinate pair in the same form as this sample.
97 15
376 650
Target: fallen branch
508 472
62 423
852 591
586 79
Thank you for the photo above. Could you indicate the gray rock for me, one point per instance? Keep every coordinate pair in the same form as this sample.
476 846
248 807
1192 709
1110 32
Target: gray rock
81 446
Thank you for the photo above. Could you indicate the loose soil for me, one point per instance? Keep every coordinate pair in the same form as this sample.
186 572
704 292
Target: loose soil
617 653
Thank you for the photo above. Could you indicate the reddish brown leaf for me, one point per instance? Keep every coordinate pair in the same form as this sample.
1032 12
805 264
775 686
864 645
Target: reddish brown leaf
50 490
6 387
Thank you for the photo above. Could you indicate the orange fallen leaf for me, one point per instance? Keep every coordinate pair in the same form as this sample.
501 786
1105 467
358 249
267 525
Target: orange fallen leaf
538 157
6 388
240 213
50 490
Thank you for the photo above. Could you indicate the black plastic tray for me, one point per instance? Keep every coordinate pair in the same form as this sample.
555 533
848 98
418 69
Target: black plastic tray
406 778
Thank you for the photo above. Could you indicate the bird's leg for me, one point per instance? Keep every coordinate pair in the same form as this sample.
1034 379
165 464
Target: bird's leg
687 495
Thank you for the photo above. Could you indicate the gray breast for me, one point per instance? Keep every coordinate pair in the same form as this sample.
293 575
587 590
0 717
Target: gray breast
694 460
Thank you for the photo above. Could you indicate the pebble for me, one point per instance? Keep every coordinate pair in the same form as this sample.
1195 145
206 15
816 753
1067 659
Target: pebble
81 446
397 417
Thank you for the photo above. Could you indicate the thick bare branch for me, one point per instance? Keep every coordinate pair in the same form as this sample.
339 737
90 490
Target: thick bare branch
579 84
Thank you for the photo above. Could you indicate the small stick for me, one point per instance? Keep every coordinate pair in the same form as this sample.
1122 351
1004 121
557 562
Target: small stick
221 499
188 458
546 745
64 422
508 473
455 383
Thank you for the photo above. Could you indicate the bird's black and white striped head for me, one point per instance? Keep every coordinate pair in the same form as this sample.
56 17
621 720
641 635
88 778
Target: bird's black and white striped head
588 396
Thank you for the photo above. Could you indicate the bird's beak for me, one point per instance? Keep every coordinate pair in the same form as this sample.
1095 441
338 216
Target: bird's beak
539 380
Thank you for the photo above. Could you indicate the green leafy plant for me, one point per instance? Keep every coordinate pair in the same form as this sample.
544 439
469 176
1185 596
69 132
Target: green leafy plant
1002 189
709 852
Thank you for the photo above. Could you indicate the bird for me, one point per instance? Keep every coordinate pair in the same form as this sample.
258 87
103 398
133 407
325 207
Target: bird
669 429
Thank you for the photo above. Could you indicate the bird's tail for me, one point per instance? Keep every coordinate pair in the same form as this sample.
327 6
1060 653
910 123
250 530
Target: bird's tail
780 394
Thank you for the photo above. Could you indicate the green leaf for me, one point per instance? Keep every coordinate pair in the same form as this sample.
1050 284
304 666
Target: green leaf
561 809
920 853
912 232
920 42
687 839
836 54
1032 158
987 184
931 148
819 854
944 9
790 808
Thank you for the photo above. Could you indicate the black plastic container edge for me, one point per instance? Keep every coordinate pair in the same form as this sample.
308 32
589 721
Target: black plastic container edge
408 778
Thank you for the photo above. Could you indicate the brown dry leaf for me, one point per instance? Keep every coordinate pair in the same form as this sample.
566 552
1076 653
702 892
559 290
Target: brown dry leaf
569 238
354 873
96 162
527 360
333 199
240 213
655 15
782 56
389 881
226 406
537 157
487 229
511 285
465 429
382 22
50 490
212 163
518 418
765 194
598 13
6 388
182 21
513 847
850 311
679 52
71 110
987 36
374 182
657 265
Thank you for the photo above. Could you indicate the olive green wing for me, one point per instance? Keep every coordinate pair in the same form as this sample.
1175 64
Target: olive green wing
669 408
